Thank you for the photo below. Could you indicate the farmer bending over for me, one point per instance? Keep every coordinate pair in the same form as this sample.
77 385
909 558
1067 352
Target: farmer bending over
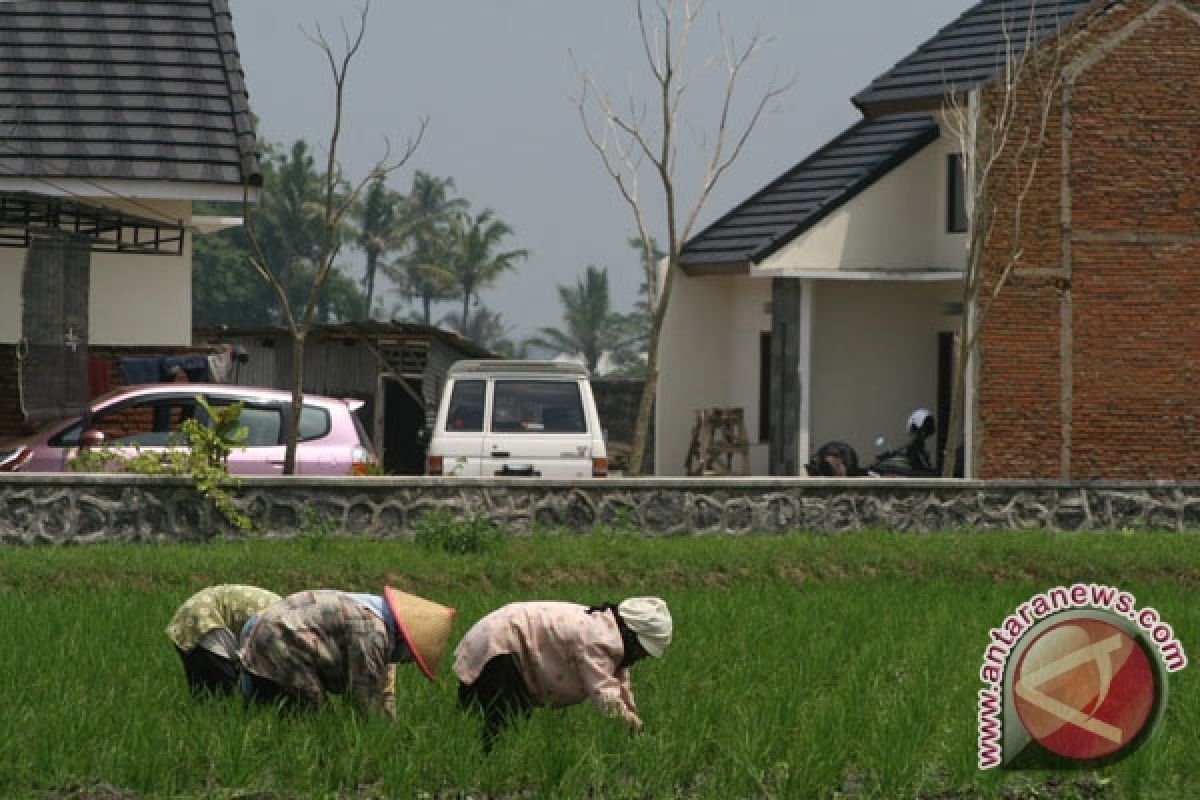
319 643
558 654
204 631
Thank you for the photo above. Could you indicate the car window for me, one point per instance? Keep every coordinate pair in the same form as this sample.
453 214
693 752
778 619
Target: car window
314 423
364 439
537 407
263 425
155 422
263 422
152 422
466 407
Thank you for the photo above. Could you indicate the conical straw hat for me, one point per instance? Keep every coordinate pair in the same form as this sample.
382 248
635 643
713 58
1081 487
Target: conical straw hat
425 626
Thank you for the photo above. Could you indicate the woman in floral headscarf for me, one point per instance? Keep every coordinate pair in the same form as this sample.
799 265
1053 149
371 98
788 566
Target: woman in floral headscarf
205 631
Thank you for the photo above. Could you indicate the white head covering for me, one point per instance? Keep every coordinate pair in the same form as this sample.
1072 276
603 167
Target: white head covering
916 420
650 620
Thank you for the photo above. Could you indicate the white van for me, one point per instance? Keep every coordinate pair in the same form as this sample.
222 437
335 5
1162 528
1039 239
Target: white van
502 418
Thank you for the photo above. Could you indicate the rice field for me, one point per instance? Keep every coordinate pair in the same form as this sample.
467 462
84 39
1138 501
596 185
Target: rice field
802 666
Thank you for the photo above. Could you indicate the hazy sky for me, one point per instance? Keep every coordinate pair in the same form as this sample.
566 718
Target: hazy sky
496 80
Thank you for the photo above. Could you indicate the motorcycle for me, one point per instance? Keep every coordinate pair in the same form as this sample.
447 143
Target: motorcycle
836 459
909 461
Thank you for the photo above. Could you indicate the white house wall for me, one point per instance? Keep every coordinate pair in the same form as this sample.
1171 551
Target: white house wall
898 223
708 358
749 320
874 358
134 299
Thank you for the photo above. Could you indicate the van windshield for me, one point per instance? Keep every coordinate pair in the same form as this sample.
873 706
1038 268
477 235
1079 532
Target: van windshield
466 407
537 406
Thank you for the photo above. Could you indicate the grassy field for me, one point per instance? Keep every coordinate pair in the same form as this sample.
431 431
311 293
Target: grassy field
802 666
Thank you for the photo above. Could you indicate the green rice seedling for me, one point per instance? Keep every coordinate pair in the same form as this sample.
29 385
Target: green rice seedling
802 666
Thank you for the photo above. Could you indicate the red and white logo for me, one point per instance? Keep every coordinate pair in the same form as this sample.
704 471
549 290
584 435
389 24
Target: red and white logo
1084 688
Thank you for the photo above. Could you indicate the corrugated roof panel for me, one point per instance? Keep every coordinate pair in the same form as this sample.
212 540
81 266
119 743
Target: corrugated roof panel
796 200
965 53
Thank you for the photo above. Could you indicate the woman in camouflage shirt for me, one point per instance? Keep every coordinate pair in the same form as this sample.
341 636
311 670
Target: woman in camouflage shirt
325 642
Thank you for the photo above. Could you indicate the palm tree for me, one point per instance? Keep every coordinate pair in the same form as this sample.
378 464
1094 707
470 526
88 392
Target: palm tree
429 198
289 226
424 219
291 213
630 359
592 329
377 217
486 328
474 261
421 274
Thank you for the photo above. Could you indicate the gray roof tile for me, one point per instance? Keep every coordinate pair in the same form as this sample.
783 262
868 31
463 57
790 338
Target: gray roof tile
965 53
124 89
805 194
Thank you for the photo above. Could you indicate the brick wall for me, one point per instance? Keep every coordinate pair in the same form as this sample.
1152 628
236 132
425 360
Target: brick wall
12 420
1094 345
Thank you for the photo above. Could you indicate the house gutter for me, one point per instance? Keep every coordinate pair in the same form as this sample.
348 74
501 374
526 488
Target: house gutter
206 224
83 188
905 275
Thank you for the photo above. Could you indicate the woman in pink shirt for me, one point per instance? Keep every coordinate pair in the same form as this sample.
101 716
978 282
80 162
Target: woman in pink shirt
558 654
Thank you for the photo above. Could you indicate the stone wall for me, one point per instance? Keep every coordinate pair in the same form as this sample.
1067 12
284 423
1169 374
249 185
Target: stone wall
69 509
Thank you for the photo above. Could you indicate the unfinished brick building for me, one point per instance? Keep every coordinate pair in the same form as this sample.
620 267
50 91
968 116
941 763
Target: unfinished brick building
829 302
1090 361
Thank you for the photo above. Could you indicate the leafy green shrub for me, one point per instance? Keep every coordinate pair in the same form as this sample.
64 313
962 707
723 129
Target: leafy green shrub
197 451
318 528
442 530
621 523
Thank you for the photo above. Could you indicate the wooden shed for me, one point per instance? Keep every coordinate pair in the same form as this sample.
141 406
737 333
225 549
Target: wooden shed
397 369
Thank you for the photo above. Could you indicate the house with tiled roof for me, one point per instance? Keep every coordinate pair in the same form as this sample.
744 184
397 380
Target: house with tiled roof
116 118
826 305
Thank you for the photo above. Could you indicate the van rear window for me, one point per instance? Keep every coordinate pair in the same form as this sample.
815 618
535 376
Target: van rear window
537 407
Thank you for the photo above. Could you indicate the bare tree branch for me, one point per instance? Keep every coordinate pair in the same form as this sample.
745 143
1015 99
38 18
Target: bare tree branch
333 209
1000 144
626 143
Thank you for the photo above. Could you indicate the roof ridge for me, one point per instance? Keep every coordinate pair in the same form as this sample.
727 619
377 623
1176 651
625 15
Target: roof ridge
965 48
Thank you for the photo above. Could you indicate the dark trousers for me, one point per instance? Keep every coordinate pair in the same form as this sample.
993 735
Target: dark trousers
499 693
207 672
267 692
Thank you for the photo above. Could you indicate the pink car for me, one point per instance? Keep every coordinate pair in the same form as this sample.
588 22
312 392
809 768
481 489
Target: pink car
331 441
